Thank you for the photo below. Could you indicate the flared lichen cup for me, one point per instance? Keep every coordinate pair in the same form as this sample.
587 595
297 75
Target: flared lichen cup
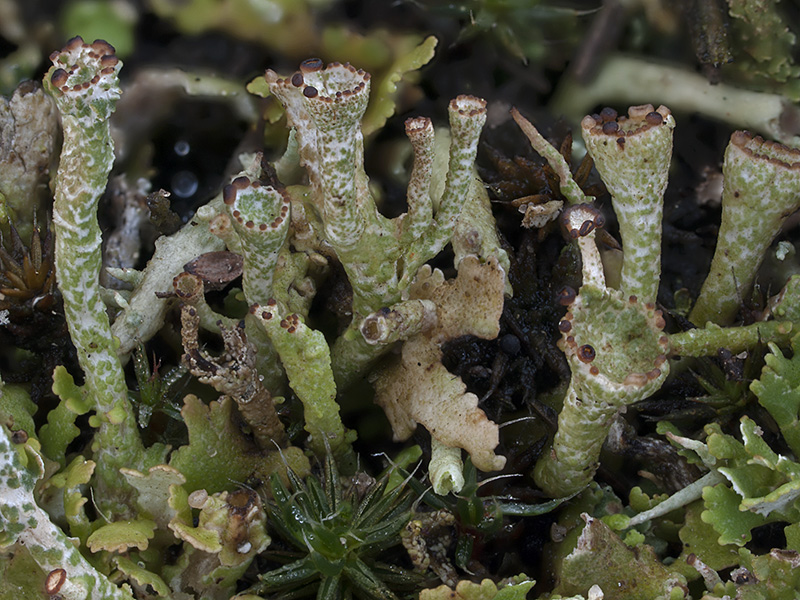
761 189
632 154
617 354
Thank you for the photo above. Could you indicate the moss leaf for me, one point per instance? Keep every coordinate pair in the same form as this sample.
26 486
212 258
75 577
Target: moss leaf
700 538
778 390
142 576
76 475
722 512
60 429
154 490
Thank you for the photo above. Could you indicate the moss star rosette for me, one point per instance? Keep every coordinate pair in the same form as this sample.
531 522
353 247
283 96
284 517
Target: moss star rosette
632 155
761 189
85 85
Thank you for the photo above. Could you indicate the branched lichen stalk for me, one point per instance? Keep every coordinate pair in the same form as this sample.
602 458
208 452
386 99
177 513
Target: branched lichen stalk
381 256
84 83
761 189
467 116
306 357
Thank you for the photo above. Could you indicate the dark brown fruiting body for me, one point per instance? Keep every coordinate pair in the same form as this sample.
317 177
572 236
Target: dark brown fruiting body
566 296
54 581
586 353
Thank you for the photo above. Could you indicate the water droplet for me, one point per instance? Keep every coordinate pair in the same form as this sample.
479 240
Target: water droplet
182 147
184 184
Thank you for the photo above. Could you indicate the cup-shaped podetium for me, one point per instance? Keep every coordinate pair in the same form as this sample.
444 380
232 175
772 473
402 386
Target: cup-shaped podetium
325 105
615 346
617 353
761 189
260 216
632 155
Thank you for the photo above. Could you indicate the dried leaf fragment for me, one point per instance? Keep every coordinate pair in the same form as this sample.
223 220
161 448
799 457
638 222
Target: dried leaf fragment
417 388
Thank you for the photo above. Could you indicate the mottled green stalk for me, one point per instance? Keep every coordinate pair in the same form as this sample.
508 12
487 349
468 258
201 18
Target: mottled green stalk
84 83
24 527
306 357
761 189
325 106
617 355
708 340
467 116
418 193
632 155
573 458
260 217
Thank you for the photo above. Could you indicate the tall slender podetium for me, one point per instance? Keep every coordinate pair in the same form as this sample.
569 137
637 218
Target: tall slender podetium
632 155
85 85
761 190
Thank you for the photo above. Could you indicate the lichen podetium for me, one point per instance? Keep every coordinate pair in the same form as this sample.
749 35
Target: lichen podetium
85 85
632 155
381 256
617 354
761 190
614 339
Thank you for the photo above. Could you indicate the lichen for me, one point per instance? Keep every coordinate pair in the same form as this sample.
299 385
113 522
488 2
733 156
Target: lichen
233 464
760 191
